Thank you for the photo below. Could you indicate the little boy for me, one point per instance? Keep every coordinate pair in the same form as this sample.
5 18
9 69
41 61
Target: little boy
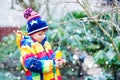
37 56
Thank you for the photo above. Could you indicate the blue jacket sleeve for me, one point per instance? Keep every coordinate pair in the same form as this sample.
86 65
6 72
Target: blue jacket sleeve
35 65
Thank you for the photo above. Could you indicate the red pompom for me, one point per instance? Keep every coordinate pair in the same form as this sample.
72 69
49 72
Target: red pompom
28 12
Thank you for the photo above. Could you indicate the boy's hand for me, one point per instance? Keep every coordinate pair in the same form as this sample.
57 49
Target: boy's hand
60 62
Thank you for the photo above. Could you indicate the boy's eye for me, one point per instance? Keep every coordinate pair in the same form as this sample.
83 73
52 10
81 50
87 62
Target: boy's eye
40 34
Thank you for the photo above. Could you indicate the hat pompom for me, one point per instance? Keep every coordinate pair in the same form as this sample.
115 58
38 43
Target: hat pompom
28 12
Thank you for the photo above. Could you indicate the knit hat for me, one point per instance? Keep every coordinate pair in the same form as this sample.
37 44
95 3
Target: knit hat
34 21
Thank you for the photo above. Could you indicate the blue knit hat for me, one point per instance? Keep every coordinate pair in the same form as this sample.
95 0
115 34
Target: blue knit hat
34 21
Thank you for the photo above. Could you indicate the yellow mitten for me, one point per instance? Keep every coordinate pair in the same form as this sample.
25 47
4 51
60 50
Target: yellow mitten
59 58
58 54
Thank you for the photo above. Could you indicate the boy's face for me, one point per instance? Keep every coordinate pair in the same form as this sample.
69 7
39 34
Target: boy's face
39 36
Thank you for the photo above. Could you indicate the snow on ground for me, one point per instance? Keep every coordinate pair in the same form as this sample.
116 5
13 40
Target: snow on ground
12 17
8 16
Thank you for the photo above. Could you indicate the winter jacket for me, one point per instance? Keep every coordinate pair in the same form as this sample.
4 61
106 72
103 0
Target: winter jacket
37 59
